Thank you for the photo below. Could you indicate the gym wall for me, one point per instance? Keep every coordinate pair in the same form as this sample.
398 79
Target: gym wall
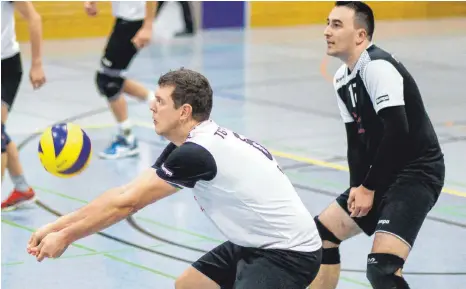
67 20
272 14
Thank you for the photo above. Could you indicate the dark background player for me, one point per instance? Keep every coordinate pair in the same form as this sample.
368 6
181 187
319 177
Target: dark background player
396 164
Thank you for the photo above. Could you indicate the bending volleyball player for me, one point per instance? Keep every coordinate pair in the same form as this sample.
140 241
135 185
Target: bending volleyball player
396 164
12 73
272 242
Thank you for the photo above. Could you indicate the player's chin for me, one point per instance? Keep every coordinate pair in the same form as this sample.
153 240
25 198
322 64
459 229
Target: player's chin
332 52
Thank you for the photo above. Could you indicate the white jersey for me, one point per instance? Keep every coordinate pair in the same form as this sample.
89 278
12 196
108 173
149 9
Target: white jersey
9 44
129 10
241 188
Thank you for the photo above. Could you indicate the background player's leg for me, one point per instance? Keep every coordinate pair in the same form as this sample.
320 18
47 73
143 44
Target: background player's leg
11 79
341 226
4 163
22 191
118 54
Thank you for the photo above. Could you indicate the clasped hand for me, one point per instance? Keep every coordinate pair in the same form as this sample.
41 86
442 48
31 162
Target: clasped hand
45 243
360 201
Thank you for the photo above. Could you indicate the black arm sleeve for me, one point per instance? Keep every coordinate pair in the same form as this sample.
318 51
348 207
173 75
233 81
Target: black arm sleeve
358 167
390 152
187 165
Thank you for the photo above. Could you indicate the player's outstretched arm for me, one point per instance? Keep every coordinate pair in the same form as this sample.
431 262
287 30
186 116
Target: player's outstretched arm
110 208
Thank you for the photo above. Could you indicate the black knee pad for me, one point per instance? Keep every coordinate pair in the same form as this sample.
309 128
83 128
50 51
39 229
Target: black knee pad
5 139
330 256
108 85
381 268
325 233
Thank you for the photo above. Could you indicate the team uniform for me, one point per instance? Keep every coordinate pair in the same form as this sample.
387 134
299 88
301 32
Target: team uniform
118 54
273 241
392 146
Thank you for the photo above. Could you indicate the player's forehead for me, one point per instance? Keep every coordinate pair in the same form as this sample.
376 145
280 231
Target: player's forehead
165 92
341 14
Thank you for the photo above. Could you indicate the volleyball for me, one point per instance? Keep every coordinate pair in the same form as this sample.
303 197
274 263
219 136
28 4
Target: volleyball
65 150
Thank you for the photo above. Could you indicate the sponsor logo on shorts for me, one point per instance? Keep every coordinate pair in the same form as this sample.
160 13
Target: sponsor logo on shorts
384 222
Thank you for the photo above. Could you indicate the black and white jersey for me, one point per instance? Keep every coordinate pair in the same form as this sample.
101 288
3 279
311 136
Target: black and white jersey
239 185
378 82
10 46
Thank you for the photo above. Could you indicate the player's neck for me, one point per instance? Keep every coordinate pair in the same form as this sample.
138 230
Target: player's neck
353 57
179 136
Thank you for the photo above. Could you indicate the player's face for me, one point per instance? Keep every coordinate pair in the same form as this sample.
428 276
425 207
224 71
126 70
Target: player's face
165 116
340 33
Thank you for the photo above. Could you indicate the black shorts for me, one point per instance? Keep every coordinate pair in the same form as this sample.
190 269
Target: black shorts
399 210
233 266
120 50
12 73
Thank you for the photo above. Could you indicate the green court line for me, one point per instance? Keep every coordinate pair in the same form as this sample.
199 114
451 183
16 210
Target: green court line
354 281
101 253
118 259
179 230
132 264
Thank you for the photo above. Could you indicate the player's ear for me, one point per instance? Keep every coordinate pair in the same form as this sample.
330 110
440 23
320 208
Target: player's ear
186 111
361 35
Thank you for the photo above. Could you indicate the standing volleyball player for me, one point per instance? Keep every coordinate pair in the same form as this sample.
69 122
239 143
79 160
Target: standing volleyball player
131 32
396 164
12 73
272 242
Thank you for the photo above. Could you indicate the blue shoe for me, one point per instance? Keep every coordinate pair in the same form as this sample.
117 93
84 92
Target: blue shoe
121 147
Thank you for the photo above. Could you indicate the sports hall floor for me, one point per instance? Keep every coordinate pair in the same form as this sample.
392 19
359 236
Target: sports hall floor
269 84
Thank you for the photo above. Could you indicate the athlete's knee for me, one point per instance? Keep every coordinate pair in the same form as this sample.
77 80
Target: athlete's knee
330 250
381 269
109 84
5 139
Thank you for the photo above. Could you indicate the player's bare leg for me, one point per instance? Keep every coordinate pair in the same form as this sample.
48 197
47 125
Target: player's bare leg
4 163
193 279
10 160
385 263
338 222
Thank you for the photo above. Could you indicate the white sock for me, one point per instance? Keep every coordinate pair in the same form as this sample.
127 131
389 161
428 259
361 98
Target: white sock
125 127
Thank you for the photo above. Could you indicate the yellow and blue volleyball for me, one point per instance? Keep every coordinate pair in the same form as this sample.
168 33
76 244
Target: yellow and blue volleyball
65 150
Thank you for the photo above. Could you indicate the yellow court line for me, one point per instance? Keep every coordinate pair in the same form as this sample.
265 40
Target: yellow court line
342 168
281 154
319 163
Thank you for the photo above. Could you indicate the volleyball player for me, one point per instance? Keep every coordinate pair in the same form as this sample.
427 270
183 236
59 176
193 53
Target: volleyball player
12 73
272 242
131 32
395 161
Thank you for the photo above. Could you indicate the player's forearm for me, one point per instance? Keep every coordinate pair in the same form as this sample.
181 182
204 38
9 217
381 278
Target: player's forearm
391 152
151 8
100 214
357 166
81 213
35 34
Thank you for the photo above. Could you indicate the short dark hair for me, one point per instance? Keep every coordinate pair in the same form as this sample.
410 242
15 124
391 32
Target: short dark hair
192 88
364 16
